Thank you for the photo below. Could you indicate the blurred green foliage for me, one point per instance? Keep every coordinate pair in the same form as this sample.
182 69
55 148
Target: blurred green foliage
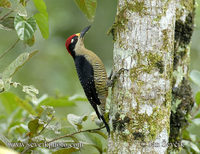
28 114
52 69
24 124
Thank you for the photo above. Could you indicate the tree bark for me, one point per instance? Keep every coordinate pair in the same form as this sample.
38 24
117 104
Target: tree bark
141 97
182 101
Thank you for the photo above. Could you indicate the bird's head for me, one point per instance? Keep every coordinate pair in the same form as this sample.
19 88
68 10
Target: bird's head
75 41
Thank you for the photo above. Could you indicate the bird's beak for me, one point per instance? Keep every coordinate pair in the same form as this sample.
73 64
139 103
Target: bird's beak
84 31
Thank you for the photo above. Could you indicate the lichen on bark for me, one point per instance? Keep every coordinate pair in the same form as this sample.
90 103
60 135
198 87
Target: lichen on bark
121 18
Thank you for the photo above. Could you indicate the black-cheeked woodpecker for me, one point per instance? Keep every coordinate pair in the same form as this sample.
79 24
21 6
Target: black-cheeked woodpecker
91 73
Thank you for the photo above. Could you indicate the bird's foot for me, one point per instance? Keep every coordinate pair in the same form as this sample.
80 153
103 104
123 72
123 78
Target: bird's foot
112 77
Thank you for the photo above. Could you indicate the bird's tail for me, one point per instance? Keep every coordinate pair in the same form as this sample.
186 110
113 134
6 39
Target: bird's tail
106 125
101 117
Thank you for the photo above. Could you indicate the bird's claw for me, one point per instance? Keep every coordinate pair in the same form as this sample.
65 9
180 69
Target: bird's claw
113 77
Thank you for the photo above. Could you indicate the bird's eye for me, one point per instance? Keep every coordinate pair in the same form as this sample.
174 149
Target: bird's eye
72 40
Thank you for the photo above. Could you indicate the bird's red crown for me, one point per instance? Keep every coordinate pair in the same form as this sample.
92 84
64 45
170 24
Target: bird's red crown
68 42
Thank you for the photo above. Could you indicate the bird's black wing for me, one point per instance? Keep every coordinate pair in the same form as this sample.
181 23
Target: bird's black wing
86 76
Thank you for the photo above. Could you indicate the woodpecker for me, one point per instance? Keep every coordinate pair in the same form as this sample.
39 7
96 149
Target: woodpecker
91 73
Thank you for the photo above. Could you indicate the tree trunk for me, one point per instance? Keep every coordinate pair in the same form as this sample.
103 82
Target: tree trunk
182 101
144 33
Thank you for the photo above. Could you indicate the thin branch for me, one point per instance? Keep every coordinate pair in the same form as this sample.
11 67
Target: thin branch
27 147
46 125
11 11
7 14
9 49
68 135
81 131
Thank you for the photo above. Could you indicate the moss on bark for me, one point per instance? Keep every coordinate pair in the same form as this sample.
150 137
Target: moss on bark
181 92
179 118
121 19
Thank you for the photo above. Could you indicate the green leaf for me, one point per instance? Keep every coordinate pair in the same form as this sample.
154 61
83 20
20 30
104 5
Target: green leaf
191 145
30 42
17 63
43 24
96 142
56 127
197 98
4 28
46 113
40 5
25 105
186 135
90 149
88 7
42 18
8 23
4 140
65 151
2 117
25 27
197 116
101 133
195 77
194 126
17 131
23 2
21 10
57 102
8 101
74 139
76 121
76 98
34 126
14 118
5 3
196 121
